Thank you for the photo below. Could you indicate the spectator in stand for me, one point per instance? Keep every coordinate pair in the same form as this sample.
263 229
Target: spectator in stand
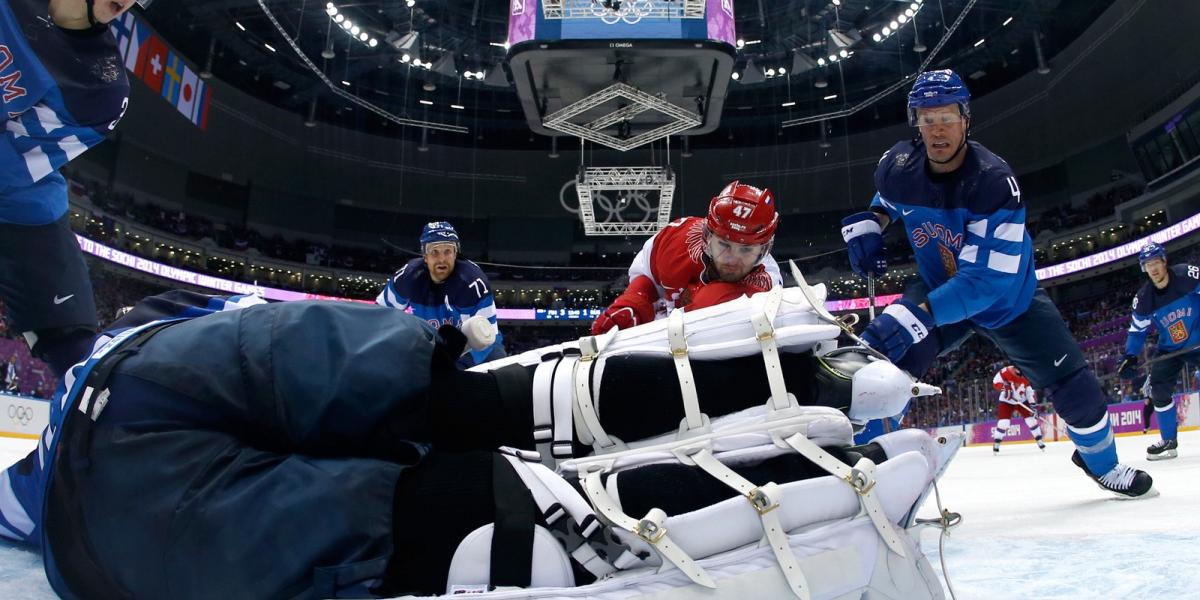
12 382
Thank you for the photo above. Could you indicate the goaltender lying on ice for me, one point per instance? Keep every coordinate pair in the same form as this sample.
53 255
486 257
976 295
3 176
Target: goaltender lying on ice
225 447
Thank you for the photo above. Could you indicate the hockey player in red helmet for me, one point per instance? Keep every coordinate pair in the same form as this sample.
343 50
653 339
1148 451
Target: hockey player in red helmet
728 252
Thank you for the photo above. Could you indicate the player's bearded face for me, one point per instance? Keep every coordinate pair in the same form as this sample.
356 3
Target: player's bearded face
943 129
1156 269
732 261
440 260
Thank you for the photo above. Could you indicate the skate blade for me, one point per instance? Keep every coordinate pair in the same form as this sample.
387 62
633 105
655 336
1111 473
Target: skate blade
1163 455
1150 493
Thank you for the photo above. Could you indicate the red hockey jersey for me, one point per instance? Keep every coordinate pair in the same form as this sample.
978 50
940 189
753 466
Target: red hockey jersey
1014 387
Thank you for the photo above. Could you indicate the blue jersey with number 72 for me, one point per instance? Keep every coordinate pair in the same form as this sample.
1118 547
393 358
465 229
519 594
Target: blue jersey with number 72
465 294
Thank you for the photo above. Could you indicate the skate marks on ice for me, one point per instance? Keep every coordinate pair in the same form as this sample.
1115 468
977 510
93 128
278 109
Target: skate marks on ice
1035 527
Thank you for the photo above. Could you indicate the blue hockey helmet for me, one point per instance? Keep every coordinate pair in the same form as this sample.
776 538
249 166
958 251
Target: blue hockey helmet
938 88
1151 251
438 231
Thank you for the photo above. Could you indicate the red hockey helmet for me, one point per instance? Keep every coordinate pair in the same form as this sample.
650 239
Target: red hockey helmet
743 214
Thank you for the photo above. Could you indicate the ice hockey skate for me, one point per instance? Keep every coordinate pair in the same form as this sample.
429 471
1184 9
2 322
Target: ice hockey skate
1163 450
1123 481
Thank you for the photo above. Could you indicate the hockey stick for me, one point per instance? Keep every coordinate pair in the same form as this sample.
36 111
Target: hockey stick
871 295
1125 363
1179 352
824 314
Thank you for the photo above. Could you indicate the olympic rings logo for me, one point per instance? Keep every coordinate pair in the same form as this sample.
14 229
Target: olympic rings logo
22 415
606 209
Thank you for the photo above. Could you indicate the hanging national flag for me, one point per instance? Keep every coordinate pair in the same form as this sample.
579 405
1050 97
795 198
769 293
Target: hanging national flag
134 51
190 94
173 79
150 58
155 50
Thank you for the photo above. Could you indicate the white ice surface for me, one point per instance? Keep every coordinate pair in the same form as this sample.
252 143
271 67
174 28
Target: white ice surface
1033 527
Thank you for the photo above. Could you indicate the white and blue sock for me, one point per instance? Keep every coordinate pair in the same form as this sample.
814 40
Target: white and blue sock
1096 446
1168 421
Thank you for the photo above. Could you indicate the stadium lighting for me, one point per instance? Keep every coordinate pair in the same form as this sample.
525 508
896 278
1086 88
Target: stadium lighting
1006 22
887 30
877 37
331 10
239 26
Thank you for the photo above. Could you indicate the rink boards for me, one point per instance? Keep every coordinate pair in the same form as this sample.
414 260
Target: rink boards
1126 419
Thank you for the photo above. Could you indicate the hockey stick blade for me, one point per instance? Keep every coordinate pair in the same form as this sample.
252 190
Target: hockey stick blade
824 314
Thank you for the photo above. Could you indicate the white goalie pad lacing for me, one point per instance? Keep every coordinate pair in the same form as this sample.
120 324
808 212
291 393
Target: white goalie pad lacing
695 448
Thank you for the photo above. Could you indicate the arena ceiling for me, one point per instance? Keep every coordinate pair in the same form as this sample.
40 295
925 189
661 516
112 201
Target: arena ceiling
236 41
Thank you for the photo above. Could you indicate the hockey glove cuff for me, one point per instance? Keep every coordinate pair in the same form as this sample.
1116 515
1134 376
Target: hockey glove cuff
901 325
864 241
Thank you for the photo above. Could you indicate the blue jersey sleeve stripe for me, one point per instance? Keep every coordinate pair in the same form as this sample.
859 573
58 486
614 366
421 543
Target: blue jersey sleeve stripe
1010 232
13 511
880 202
969 253
1004 263
44 143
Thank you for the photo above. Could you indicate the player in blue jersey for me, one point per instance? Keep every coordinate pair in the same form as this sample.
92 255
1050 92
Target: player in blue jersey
1169 302
62 89
446 289
962 212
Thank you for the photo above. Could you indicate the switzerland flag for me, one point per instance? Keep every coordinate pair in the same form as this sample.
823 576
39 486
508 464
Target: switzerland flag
155 62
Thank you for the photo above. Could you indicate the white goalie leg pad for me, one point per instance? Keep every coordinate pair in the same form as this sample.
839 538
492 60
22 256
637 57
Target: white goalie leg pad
724 527
937 451
736 438
571 527
715 332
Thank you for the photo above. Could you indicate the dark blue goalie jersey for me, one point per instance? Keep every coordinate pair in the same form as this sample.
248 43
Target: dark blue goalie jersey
967 231
60 93
1173 310
463 295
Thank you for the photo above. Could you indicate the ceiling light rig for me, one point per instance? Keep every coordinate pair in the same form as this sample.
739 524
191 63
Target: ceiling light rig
843 42
356 32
